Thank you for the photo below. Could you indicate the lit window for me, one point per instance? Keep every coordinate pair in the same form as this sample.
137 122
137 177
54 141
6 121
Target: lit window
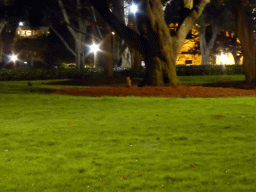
188 62
28 33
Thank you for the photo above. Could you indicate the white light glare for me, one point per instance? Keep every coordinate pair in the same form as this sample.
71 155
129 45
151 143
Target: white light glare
14 58
94 48
134 8
223 58
21 23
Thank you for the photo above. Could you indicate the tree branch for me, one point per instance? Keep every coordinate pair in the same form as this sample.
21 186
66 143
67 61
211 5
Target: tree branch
131 37
188 22
96 25
166 4
2 24
65 15
63 41
70 25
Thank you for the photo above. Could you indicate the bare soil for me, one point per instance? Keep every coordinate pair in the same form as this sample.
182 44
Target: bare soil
115 87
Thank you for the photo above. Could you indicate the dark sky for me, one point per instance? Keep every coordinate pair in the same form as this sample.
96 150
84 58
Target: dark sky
33 11
24 10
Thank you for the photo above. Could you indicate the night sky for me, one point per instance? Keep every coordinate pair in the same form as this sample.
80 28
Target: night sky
31 11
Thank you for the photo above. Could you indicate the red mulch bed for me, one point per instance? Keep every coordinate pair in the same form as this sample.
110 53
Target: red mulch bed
100 87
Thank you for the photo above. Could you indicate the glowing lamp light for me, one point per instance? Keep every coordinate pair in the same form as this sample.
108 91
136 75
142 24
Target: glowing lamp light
134 8
21 23
14 58
94 48
223 58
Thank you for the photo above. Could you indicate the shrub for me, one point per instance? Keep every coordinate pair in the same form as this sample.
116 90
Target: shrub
40 73
183 70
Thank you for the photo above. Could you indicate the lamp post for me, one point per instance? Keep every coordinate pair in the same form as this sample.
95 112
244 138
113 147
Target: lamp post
94 49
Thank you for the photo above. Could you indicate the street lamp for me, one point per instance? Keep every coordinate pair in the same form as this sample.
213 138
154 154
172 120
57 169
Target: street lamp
21 23
14 58
94 48
134 8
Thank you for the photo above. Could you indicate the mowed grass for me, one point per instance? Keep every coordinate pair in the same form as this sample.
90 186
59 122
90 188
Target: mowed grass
64 143
210 79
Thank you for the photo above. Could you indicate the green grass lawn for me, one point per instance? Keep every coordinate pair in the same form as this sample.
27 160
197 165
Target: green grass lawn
210 79
63 143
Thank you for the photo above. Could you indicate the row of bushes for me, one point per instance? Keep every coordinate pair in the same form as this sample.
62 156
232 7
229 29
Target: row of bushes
41 74
194 70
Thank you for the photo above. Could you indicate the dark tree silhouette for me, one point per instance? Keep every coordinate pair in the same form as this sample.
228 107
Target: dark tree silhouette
153 39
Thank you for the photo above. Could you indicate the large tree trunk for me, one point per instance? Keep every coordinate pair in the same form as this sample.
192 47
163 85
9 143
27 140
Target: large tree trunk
158 73
118 11
108 53
158 47
237 58
205 57
153 41
135 55
135 60
244 32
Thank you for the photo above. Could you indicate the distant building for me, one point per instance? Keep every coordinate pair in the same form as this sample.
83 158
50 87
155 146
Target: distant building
31 43
189 53
27 31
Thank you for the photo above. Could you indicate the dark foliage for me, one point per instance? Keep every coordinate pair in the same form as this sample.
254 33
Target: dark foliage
43 74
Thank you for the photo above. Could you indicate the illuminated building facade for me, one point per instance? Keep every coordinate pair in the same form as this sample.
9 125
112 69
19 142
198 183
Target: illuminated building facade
189 53
32 32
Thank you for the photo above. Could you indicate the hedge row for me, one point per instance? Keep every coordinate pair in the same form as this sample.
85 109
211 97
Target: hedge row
209 70
193 70
41 74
